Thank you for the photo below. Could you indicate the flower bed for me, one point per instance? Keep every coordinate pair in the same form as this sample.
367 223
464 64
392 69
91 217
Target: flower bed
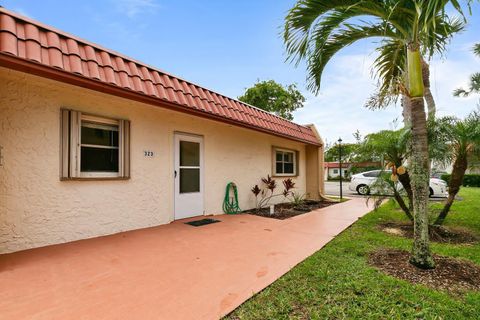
287 210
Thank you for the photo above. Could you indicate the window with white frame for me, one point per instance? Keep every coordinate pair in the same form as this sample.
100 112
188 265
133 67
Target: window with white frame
285 162
93 146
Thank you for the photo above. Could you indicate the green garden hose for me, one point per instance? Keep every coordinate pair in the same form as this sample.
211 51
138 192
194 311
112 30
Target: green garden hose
230 205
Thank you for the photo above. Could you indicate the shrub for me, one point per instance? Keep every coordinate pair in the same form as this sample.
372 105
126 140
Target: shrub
469 180
267 192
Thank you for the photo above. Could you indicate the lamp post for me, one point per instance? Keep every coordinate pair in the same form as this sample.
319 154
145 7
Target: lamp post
340 162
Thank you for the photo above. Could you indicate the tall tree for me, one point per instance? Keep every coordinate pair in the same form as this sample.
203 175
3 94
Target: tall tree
273 97
349 152
315 30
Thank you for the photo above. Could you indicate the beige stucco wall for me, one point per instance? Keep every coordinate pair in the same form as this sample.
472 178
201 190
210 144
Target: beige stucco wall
38 209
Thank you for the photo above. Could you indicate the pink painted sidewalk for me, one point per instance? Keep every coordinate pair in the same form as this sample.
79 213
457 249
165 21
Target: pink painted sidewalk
172 271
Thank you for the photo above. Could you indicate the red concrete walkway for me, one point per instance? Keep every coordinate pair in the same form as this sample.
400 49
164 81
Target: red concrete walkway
173 271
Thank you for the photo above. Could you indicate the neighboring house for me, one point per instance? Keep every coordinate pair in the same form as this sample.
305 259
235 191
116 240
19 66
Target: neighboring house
332 169
94 143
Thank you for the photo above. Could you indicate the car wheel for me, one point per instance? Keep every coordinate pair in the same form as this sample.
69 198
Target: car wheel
431 193
363 190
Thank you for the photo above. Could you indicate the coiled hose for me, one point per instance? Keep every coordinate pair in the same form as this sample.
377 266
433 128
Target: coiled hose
230 205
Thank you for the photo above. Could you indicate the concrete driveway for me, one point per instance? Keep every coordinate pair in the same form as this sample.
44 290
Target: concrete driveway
173 271
332 188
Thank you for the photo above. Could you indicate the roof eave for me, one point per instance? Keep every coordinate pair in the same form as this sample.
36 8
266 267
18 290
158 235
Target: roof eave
32 67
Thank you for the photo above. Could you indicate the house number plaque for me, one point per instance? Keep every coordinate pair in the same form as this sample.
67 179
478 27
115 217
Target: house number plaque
148 154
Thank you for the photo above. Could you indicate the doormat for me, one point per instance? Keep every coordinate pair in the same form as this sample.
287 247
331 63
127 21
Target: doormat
202 222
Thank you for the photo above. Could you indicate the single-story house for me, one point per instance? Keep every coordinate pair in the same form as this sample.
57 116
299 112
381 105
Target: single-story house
94 143
332 168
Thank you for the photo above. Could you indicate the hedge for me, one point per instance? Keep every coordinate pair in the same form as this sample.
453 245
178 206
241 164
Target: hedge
469 180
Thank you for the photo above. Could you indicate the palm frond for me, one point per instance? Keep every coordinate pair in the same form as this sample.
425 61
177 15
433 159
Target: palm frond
315 30
389 68
322 52
476 49
440 135
473 86
437 38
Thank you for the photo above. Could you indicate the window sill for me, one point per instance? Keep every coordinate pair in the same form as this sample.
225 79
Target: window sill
279 175
94 178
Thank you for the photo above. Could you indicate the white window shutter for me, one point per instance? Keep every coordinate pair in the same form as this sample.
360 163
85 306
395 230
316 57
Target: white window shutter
124 156
64 144
75 125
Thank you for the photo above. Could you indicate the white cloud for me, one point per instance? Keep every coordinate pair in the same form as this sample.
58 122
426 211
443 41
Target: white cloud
338 110
449 75
132 8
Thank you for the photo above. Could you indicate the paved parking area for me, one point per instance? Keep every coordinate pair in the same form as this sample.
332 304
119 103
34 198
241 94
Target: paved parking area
173 271
332 188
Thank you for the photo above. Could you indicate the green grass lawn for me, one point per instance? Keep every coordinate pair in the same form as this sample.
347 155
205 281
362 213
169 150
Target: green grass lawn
337 283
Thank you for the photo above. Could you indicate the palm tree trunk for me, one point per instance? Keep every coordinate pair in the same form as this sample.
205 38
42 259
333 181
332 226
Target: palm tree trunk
419 166
427 93
406 110
407 186
402 205
419 172
458 172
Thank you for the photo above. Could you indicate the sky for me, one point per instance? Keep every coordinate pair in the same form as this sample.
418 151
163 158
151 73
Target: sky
227 45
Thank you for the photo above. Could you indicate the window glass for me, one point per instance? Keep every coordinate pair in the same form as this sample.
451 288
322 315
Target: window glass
98 160
284 162
288 168
288 157
189 180
99 147
189 153
96 134
335 170
279 167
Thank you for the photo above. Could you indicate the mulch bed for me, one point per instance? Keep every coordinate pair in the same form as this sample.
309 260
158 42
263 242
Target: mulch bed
452 275
287 210
437 233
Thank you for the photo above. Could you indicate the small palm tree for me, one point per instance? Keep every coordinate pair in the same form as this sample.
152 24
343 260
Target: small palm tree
315 30
391 146
474 86
465 145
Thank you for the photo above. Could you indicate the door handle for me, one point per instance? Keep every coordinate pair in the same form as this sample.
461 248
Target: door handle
175 173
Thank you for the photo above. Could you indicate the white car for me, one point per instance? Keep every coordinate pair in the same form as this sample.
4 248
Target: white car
362 182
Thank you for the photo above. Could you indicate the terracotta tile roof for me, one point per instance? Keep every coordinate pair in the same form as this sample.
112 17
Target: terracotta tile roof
364 164
41 45
336 164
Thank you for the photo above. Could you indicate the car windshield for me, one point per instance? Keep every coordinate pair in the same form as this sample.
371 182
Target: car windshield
376 173
438 175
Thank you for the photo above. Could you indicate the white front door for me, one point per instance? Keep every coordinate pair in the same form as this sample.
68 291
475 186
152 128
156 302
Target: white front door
188 174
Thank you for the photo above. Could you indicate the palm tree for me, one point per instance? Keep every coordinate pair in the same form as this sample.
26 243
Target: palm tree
474 86
315 30
465 144
391 145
